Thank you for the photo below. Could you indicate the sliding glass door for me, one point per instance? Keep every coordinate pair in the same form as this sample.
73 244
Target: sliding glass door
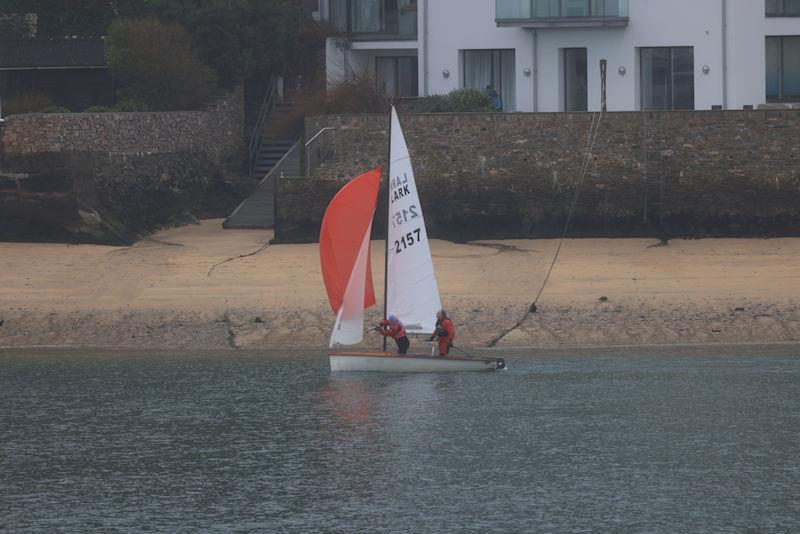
492 71
397 76
783 68
576 80
667 78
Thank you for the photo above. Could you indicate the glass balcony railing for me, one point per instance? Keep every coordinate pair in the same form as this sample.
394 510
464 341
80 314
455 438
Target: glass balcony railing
375 18
566 12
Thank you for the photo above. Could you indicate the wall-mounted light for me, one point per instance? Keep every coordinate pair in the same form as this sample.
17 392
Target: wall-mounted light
526 72
445 73
706 69
622 70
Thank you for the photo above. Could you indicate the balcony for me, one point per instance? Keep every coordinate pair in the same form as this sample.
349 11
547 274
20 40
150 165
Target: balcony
375 19
541 14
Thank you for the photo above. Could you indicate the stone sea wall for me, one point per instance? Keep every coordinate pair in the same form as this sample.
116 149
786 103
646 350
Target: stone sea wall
104 199
493 175
112 177
217 130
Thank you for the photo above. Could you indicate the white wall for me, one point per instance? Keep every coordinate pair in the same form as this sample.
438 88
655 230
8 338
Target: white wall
653 23
747 32
455 25
461 25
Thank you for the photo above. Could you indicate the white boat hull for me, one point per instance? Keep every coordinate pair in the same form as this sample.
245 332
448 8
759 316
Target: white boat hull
395 363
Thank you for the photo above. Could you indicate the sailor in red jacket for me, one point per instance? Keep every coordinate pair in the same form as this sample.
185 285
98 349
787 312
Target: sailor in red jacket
393 328
445 332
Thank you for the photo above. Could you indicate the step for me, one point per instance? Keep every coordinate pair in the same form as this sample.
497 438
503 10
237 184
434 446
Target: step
272 145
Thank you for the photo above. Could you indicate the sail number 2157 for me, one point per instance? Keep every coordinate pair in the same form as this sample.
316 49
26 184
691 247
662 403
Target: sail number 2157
407 241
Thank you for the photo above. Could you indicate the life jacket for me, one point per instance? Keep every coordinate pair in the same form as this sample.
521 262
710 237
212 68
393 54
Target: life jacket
445 330
397 330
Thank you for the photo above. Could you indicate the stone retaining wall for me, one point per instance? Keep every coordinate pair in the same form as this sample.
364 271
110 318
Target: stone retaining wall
217 131
112 177
499 175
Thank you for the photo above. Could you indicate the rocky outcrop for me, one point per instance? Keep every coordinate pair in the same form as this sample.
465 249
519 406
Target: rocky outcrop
109 178
91 198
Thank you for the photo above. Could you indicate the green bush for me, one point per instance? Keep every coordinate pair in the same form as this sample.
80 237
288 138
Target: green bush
132 105
458 101
462 101
54 109
154 65
26 104
99 109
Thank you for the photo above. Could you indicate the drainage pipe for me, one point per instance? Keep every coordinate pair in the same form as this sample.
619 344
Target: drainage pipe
724 54
535 73
426 70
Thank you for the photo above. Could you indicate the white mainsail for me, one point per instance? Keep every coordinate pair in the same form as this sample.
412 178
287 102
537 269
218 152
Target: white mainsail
349 326
411 291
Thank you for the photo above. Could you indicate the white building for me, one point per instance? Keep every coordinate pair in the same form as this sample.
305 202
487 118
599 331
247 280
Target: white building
545 55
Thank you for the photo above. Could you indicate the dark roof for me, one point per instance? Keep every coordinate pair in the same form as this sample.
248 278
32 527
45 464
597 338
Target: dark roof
52 53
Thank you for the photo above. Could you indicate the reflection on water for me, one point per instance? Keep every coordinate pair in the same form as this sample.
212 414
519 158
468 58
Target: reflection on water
655 444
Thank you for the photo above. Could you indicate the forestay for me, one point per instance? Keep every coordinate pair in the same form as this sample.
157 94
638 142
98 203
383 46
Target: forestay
411 290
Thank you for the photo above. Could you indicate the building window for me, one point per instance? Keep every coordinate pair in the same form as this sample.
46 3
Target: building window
493 72
576 80
397 76
783 8
783 68
667 78
533 9
378 17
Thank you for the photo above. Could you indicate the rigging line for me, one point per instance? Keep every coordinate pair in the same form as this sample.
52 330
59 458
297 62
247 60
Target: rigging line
594 128
264 247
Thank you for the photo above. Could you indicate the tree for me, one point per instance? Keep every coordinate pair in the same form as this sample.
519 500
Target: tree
239 39
60 18
155 64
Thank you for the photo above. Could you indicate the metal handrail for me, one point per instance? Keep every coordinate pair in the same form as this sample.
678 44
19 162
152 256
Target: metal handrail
308 147
276 171
267 104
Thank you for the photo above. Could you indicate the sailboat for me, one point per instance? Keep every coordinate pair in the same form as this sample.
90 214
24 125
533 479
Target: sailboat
410 289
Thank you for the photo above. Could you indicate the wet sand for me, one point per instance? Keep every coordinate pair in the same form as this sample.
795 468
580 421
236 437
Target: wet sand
197 287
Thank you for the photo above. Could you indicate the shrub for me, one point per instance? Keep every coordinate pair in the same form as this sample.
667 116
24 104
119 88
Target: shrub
462 101
54 109
132 105
26 104
458 101
353 97
154 64
360 95
98 109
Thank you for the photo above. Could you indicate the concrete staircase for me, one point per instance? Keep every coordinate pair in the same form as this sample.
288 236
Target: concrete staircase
258 211
269 154
279 133
278 153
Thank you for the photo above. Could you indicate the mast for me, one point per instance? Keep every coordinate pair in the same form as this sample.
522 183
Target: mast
386 243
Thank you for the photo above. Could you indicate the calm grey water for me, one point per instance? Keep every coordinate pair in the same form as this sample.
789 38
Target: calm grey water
564 444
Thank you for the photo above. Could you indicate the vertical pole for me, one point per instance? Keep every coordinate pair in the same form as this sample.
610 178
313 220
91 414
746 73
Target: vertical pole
603 68
388 217
724 54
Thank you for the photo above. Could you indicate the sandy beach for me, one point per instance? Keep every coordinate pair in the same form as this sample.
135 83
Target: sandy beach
202 287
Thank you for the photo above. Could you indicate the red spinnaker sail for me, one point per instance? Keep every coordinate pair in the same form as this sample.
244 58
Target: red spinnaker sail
347 219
